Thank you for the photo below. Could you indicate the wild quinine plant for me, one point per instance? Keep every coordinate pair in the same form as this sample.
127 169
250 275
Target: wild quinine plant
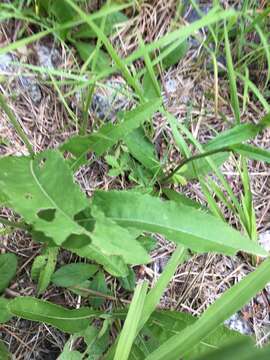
110 231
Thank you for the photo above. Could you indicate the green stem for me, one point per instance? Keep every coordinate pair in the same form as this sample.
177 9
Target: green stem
16 125
13 224
192 158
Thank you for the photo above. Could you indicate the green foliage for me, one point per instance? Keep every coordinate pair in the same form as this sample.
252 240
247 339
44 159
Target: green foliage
4 354
70 321
73 274
115 229
180 223
8 266
4 313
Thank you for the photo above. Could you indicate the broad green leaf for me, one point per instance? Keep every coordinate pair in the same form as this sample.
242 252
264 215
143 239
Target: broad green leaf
8 267
176 55
237 349
70 355
109 134
98 284
182 224
34 188
252 152
70 321
129 331
128 282
85 32
233 136
4 354
112 239
148 242
226 305
86 49
149 89
162 325
182 199
115 265
73 274
142 150
112 264
4 313
46 271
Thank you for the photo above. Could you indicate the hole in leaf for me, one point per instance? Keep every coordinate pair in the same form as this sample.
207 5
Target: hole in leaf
76 241
46 214
28 196
42 163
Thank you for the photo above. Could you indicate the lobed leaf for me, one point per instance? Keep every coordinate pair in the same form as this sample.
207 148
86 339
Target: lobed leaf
182 224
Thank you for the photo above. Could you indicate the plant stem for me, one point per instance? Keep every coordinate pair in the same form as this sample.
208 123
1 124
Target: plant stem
192 158
13 224
16 125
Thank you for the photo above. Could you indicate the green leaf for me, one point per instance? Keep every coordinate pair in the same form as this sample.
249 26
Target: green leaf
201 166
232 77
34 188
4 354
38 264
73 274
176 55
128 282
8 267
129 331
108 135
85 32
46 271
148 242
86 49
4 313
114 265
182 224
237 349
112 239
162 325
98 284
182 199
70 355
226 305
253 152
142 150
70 321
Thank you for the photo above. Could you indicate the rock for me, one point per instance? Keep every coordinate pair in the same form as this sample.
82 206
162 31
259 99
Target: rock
107 101
264 240
32 88
47 57
5 63
237 323
27 84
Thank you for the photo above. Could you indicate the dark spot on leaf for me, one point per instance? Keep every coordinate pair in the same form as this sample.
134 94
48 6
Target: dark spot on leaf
46 214
28 196
76 241
41 163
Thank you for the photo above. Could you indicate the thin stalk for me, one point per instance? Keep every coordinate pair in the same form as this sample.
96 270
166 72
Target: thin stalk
16 125
192 158
13 224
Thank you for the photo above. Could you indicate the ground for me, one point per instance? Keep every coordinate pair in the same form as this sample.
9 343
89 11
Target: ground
192 94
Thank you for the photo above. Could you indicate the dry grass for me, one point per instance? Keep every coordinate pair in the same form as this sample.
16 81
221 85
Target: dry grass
202 278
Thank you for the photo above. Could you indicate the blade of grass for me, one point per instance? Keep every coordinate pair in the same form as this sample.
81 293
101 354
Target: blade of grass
128 333
232 77
16 125
230 302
